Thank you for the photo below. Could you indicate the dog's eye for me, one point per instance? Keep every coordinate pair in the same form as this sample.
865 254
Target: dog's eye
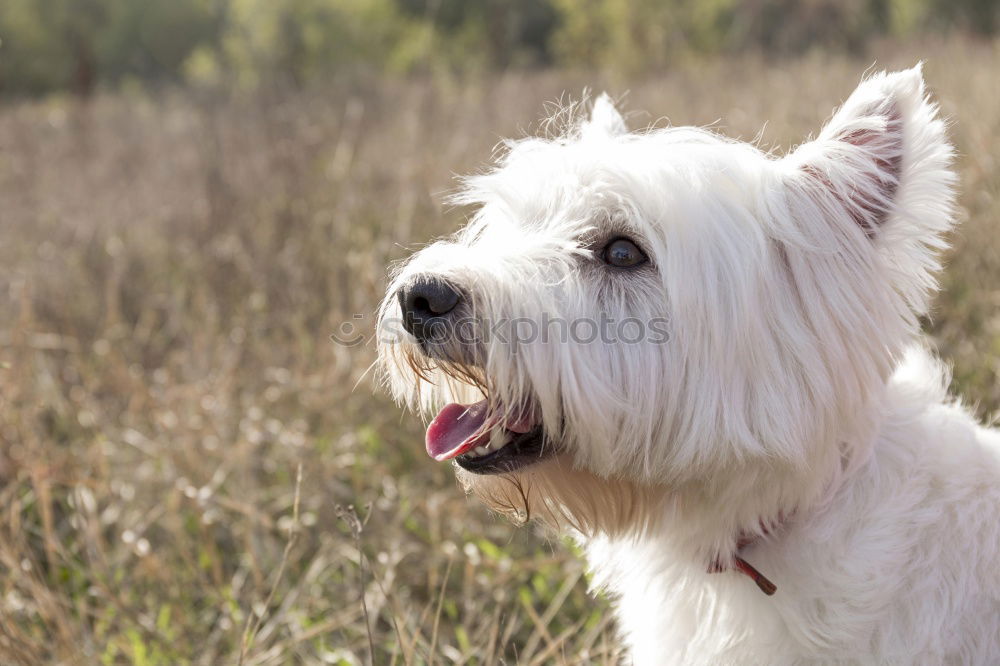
623 253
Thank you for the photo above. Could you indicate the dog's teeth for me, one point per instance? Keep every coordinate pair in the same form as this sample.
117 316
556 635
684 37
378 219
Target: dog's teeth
497 441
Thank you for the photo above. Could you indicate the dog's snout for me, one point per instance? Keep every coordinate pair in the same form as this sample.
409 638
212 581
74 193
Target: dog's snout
424 301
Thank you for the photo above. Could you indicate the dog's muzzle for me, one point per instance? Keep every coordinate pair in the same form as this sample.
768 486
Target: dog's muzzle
484 437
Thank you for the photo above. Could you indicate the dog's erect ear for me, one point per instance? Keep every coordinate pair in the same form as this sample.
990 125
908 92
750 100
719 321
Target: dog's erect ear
884 146
604 119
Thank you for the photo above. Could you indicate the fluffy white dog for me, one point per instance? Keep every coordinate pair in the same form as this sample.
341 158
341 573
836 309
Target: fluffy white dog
704 362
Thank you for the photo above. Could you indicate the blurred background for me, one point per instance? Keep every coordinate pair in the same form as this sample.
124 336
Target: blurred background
196 194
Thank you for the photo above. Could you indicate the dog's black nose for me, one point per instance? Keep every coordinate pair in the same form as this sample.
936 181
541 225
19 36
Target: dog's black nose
425 301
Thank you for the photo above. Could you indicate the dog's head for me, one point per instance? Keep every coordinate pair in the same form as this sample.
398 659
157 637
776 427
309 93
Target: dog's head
647 310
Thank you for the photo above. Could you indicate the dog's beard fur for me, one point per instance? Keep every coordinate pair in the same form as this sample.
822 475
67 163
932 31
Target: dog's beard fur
566 498
791 287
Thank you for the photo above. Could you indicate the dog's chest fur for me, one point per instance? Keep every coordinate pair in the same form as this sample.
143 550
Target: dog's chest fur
903 561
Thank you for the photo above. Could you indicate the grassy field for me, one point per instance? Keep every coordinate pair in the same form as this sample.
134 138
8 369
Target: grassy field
171 270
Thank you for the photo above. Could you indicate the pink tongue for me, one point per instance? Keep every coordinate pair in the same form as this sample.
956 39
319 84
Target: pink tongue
459 428
456 429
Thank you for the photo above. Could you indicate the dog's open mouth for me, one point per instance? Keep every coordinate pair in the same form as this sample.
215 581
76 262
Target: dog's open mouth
484 443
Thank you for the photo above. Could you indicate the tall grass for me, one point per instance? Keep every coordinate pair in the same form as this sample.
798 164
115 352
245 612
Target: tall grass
171 270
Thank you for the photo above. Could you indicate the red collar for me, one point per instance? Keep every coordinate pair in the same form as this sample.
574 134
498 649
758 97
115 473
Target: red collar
739 564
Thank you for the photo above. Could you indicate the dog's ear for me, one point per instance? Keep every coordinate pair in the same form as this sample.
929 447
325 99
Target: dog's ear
604 119
884 154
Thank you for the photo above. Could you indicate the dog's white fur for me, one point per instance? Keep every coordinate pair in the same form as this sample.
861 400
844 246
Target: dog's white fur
793 400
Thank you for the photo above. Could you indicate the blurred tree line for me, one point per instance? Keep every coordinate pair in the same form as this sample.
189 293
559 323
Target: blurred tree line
76 45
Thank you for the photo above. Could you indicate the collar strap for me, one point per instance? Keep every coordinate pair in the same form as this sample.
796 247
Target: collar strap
744 567
766 586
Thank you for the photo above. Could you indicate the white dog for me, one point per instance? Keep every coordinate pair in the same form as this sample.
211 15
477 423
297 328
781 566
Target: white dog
704 361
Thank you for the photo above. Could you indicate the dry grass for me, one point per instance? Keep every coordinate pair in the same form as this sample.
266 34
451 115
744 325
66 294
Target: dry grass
171 270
